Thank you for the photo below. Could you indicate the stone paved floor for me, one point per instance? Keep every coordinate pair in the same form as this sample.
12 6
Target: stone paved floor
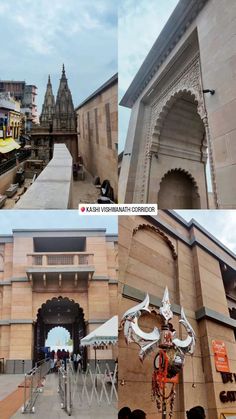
48 405
8 383
10 202
84 191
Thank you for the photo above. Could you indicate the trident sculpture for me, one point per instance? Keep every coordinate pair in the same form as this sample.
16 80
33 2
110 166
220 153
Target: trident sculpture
171 351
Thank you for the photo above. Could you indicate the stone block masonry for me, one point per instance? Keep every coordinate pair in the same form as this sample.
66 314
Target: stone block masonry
52 189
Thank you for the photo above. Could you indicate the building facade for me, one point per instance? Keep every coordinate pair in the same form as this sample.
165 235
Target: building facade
10 124
26 94
97 122
183 105
165 250
50 278
57 122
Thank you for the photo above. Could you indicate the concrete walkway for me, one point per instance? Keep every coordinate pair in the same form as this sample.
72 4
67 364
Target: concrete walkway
84 191
9 383
48 405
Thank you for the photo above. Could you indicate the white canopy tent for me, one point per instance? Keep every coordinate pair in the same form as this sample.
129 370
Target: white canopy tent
106 334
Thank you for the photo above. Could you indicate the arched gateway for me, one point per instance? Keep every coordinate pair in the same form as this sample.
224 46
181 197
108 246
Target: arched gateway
61 311
54 278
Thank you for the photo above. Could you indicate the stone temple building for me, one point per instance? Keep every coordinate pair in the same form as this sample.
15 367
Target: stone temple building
52 278
97 124
57 122
199 271
183 102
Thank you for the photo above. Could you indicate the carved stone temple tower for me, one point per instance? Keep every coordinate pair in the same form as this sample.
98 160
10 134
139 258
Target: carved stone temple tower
57 122
64 111
48 110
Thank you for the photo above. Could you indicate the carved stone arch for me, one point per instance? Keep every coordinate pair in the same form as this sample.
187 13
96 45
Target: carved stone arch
58 311
170 101
185 191
58 299
188 174
158 231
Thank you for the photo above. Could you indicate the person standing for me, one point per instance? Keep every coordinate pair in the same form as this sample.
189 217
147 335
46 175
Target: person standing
75 361
79 361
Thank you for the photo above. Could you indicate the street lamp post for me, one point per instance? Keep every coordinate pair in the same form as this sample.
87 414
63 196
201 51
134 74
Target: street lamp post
171 351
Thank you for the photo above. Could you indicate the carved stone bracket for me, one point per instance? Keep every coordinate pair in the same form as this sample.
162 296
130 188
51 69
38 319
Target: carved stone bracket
44 280
76 279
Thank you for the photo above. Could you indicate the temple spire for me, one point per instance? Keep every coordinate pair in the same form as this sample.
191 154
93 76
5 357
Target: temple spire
48 108
63 71
64 110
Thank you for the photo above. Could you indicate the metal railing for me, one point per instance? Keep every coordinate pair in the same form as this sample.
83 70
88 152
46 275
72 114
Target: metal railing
33 385
55 259
65 380
11 163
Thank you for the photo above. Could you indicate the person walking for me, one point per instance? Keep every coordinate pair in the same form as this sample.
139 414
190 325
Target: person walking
75 361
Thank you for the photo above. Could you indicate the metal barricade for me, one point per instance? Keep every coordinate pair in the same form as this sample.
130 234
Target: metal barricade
98 386
89 388
33 385
65 381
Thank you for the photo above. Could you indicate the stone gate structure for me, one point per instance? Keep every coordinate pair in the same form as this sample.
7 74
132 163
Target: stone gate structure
183 102
54 278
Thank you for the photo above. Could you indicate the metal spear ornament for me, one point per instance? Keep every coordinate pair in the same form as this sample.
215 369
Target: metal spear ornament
171 351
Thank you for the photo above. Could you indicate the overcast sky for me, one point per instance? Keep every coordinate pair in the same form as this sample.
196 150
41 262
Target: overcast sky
140 23
220 223
38 36
20 219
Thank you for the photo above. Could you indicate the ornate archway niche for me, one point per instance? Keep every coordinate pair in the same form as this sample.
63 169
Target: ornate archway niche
153 260
188 81
159 123
190 194
156 230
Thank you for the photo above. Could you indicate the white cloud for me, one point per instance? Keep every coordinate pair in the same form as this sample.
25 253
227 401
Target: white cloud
43 22
39 35
220 223
139 26
140 23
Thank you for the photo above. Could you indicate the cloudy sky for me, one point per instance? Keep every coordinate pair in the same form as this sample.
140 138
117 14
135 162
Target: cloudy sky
53 219
140 23
38 36
220 223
